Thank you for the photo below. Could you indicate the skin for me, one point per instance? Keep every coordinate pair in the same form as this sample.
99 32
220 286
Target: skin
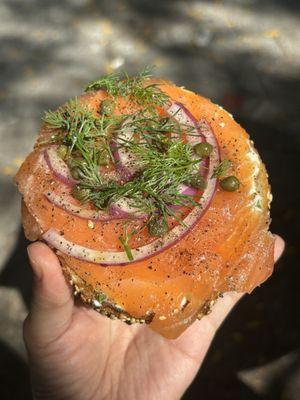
76 354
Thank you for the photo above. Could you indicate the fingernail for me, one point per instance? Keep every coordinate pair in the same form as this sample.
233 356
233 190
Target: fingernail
279 247
36 269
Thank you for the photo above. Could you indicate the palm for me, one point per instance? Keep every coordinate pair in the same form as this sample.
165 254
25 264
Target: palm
98 358
75 353
109 356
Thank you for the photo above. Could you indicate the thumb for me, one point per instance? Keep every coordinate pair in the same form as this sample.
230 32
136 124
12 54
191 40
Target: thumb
52 303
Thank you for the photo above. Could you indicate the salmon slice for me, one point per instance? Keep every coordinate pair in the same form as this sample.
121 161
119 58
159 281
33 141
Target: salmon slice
229 249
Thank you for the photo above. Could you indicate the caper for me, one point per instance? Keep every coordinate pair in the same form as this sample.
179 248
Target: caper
164 120
102 203
198 182
81 194
230 184
158 227
62 151
75 171
162 143
203 149
107 107
104 157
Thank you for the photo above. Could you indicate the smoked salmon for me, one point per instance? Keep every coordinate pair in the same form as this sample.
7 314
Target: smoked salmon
154 199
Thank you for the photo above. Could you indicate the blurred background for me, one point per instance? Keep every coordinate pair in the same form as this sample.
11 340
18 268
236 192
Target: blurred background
244 55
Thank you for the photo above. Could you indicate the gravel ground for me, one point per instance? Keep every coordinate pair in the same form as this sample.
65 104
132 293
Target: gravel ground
244 55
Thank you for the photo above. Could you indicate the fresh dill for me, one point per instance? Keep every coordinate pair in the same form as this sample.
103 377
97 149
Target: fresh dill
161 155
101 297
156 186
72 112
124 240
136 88
110 83
222 168
152 128
86 136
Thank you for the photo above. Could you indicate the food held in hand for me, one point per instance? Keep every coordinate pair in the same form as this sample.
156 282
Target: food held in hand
153 198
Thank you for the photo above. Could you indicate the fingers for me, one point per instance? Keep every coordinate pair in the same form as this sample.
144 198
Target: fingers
52 303
279 247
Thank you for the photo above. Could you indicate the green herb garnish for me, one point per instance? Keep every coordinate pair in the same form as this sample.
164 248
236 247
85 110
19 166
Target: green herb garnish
86 136
120 84
162 159
124 242
156 186
222 168
101 297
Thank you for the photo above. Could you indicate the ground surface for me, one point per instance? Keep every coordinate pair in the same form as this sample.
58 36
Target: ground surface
243 54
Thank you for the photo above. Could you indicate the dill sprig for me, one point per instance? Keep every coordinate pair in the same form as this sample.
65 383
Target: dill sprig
156 187
109 82
65 116
164 163
222 168
136 88
79 130
124 240
149 124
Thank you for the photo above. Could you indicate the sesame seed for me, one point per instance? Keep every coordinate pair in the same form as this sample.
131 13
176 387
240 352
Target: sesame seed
90 224
96 303
183 303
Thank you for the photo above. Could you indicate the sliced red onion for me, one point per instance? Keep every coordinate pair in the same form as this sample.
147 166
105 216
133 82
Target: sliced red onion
58 166
62 202
149 250
124 209
53 238
202 131
125 159
207 132
187 190
184 117
118 210
173 236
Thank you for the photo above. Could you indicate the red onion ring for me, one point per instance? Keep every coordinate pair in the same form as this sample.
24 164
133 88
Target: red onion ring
60 169
187 190
123 209
184 117
62 202
119 210
53 238
58 166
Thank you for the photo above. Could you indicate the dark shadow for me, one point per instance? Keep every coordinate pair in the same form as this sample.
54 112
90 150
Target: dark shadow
289 5
14 376
17 272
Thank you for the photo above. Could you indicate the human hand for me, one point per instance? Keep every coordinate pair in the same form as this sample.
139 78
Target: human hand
75 353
